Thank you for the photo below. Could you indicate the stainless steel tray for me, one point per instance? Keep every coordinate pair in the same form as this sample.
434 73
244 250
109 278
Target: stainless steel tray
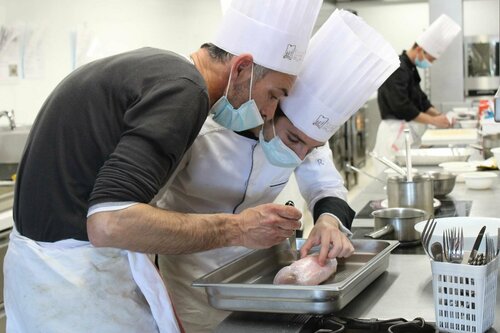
246 284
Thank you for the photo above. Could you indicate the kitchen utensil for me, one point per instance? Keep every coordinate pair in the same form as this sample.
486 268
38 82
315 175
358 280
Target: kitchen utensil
426 234
418 193
437 251
349 166
400 221
388 163
477 243
245 284
443 182
490 141
480 180
409 175
458 168
293 238
470 226
453 245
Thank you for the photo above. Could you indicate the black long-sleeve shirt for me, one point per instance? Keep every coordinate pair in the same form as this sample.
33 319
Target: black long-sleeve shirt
400 96
112 131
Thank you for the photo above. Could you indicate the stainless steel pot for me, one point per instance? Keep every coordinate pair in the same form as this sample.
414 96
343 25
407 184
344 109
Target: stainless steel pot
490 141
400 221
443 182
417 193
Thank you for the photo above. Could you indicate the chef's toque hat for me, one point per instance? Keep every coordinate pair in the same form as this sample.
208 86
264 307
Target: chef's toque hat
436 39
275 32
345 64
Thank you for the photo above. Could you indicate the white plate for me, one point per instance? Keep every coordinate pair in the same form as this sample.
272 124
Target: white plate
436 203
470 225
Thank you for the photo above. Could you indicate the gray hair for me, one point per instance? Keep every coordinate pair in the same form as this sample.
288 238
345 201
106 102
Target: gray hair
219 55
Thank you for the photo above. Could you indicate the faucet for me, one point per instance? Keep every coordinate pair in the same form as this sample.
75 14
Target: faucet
11 116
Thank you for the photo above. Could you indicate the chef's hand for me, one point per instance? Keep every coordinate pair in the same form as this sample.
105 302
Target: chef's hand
441 121
267 225
334 243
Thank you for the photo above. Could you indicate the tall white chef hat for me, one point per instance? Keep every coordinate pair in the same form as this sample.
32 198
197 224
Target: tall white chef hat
436 39
345 64
275 32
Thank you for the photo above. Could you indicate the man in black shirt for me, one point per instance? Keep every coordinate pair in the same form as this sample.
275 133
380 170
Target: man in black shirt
105 141
401 101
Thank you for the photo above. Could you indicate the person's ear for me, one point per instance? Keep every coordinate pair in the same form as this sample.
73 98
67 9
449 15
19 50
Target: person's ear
242 64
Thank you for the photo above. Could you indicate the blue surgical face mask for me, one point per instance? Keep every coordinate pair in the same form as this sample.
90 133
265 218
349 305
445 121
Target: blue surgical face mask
277 153
245 117
422 63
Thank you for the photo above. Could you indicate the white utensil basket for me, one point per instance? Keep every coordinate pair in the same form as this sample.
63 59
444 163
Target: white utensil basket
464 296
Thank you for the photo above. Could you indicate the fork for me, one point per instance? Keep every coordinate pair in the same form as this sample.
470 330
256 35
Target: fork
425 239
453 240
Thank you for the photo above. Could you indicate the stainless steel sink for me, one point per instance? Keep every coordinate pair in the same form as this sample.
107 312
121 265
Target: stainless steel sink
12 144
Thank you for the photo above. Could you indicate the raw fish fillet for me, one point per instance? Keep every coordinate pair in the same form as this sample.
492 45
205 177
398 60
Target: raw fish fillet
306 271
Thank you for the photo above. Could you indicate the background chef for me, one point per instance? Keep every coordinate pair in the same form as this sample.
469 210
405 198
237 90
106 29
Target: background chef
401 101
104 142
228 171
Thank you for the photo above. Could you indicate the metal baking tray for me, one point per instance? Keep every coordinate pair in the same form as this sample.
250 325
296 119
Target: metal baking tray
246 284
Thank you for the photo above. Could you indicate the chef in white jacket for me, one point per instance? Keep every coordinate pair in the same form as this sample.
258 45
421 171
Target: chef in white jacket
228 171
86 269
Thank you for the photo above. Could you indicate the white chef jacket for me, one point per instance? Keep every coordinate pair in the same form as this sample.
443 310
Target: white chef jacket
224 172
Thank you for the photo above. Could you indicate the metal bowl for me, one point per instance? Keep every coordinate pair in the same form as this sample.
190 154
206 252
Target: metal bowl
443 182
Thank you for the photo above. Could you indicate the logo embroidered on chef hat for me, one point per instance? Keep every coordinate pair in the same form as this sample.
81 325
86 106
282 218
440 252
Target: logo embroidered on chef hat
290 50
320 121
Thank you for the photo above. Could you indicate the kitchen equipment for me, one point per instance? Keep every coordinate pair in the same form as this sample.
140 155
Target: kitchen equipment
409 174
453 245
365 173
418 193
426 235
476 245
468 123
464 296
458 168
434 156
437 251
443 182
470 226
489 141
389 163
479 180
482 65
453 136
400 221
245 284
293 238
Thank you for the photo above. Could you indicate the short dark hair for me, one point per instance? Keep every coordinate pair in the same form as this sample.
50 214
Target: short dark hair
219 55
415 45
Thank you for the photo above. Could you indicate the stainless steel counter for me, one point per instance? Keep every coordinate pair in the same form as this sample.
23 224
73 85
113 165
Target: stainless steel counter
405 289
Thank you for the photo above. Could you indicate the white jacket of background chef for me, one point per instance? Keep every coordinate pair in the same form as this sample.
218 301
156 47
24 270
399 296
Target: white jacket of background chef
227 172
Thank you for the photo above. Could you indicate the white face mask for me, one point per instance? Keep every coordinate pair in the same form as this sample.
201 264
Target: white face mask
245 117
277 153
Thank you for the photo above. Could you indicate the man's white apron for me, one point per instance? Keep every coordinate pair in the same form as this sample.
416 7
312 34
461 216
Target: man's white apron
71 286
391 139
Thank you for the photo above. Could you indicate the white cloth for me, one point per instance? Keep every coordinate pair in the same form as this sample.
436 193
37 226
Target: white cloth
226 172
275 32
436 39
391 139
71 286
333 84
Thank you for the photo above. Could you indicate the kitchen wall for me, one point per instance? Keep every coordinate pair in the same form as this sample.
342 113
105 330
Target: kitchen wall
119 25
116 25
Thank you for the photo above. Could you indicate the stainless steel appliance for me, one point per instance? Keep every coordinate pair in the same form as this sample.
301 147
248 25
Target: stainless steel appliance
348 146
482 65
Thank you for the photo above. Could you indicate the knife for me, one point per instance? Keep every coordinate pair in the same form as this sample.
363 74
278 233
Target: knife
293 239
477 243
